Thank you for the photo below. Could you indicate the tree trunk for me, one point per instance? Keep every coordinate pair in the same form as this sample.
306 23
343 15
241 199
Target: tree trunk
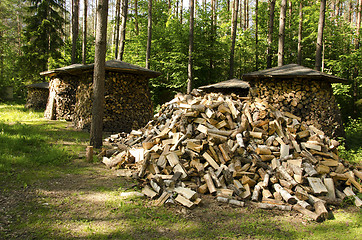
319 48
181 10
270 33
256 36
234 25
358 23
136 17
123 28
191 48
75 29
118 13
84 46
281 33
300 30
149 34
245 14
99 75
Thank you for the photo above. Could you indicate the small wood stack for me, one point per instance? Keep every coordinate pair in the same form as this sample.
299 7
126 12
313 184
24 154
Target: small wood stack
127 102
62 92
38 94
239 150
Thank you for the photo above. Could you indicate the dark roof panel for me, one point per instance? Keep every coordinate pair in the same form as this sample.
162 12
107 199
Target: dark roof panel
39 85
292 71
232 83
112 65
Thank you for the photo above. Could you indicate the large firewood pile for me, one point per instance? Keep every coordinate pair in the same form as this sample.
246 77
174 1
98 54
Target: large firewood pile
241 151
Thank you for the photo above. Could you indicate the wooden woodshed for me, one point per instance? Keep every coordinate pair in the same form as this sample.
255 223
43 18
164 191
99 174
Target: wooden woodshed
128 102
228 87
302 91
38 94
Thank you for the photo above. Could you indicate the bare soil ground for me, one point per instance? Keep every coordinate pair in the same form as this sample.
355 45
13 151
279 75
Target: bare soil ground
87 204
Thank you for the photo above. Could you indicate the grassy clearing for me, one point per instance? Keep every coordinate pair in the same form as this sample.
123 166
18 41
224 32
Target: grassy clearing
48 192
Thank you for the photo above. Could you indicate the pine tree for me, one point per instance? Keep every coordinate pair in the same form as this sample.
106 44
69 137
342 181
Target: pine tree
42 36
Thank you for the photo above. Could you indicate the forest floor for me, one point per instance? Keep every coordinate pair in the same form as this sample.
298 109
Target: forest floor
43 196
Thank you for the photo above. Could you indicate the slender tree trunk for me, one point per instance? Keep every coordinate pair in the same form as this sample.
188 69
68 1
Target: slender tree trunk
319 47
256 35
350 10
75 29
181 10
358 24
95 17
300 31
177 6
118 16
85 18
212 37
234 26
191 49
270 33
123 29
281 33
136 17
241 14
99 75
149 34
245 14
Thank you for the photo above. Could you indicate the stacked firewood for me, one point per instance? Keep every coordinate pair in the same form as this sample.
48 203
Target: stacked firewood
127 102
37 98
237 150
313 101
61 98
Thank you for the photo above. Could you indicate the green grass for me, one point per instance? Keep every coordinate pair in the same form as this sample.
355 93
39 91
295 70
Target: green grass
351 150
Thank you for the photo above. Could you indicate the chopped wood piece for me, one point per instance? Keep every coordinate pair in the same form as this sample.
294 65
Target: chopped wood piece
317 186
273 206
210 184
349 192
186 192
184 201
328 182
149 192
210 160
285 195
162 199
308 213
320 209
236 202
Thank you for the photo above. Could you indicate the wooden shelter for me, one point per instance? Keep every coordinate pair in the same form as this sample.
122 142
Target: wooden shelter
227 87
38 94
127 98
302 91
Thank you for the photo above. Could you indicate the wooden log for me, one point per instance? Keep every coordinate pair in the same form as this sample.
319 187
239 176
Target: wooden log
149 192
317 186
210 160
89 153
256 193
328 182
308 213
210 184
236 202
286 175
285 195
184 201
320 209
186 192
162 199
352 180
305 153
349 192
309 169
273 206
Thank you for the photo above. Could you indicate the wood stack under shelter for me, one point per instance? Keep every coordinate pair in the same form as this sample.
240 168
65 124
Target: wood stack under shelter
236 86
38 94
302 91
127 98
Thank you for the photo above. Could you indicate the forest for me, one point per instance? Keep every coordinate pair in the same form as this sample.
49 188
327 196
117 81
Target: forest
230 38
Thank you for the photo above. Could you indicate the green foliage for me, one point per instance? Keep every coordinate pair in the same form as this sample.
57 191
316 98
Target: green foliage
351 150
42 37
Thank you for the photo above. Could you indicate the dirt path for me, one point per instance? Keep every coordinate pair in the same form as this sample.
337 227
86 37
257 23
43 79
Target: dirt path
85 202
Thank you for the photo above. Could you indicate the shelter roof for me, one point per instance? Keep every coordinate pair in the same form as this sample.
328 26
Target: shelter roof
111 65
39 85
292 71
232 83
